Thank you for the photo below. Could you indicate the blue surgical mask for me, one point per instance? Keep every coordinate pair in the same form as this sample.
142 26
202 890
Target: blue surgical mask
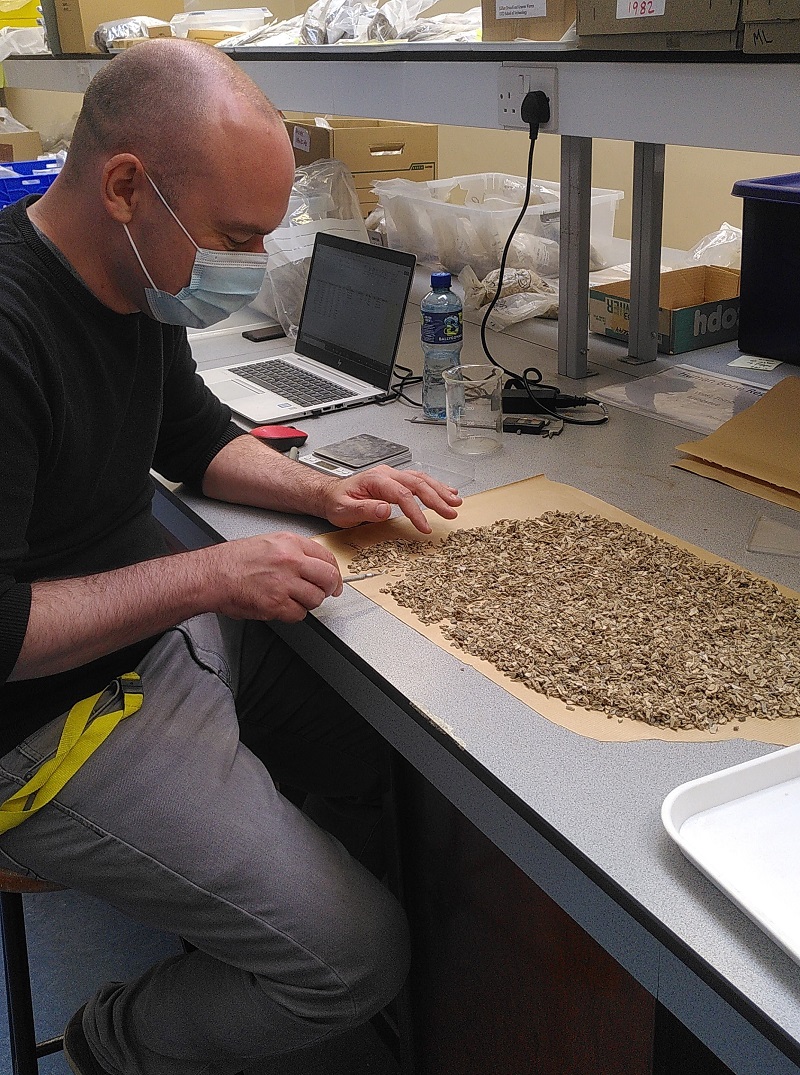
222 282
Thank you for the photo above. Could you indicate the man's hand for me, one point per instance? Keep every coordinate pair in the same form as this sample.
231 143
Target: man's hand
273 577
368 497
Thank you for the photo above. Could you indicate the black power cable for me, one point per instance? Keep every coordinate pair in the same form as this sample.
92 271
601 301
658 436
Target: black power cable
535 111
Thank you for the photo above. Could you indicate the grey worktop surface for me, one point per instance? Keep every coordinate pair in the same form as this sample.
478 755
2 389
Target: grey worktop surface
604 799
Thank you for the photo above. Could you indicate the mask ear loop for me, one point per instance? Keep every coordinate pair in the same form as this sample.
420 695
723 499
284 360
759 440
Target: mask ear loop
171 211
139 258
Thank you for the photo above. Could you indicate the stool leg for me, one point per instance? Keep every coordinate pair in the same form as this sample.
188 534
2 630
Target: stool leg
21 1030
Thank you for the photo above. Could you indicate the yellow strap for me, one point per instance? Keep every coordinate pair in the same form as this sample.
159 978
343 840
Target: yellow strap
80 737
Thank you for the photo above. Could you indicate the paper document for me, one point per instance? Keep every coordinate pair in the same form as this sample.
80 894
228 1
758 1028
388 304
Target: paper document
684 396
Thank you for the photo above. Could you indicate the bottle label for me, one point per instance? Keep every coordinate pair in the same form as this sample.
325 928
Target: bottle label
441 327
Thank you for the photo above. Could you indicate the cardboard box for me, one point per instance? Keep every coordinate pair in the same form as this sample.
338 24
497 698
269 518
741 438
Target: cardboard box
697 307
78 19
211 37
660 25
772 37
372 149
771 26
22 146
533 20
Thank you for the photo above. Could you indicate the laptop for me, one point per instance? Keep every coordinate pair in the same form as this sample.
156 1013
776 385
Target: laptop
347 339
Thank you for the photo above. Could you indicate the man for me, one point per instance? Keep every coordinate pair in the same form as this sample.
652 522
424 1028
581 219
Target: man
178 168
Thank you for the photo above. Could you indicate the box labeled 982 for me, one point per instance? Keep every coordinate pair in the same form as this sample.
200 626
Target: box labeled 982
697 307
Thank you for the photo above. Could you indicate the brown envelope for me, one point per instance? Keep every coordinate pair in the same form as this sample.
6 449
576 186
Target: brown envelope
758 451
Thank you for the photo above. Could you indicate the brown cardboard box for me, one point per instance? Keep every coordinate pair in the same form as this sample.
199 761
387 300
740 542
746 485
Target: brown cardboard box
22 146
771 26
78 19
697 307
372 149
772 37
532 20
210 37
666 25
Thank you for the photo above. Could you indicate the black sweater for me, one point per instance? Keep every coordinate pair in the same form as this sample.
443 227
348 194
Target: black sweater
90 400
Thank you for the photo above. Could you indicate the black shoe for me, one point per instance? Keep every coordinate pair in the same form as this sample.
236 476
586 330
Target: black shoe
76 1048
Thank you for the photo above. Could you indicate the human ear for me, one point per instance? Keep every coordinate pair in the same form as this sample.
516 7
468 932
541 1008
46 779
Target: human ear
121 185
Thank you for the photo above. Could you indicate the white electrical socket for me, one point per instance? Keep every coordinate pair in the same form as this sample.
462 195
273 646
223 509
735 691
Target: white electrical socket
513 82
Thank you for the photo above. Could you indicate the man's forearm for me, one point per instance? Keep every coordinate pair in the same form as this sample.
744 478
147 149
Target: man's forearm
74 621
248 472
277 576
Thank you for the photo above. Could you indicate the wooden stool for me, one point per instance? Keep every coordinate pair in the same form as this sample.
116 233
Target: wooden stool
25 1050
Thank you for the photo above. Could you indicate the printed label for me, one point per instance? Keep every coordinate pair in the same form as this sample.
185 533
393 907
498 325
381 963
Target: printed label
301 139
637 9
520 9
441 327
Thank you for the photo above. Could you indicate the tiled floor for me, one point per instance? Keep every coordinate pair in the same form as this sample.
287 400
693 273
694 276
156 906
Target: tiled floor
77 943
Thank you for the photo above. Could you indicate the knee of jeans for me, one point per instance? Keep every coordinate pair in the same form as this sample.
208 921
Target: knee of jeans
359 969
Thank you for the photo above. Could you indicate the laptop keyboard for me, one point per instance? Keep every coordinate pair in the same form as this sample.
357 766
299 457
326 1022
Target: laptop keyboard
295 384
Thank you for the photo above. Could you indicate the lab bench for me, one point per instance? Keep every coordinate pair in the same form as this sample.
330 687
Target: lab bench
493 788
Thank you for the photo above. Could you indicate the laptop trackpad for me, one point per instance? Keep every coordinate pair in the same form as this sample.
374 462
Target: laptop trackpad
228 391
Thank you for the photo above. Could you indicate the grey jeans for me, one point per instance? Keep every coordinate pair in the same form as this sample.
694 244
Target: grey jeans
178 824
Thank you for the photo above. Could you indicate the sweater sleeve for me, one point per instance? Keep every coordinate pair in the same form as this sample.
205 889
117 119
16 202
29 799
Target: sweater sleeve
25 424
15 607
195 425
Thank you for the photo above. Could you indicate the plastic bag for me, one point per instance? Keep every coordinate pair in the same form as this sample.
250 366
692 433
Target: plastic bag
323 198
396 19
276 33
524 294
515 308
9 125
449 26
107 34
21 41
328 21
237 20
722 247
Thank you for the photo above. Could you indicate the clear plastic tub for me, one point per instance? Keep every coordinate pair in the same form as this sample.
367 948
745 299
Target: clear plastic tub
450 223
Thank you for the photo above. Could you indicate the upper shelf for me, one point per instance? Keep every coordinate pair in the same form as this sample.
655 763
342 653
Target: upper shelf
723 102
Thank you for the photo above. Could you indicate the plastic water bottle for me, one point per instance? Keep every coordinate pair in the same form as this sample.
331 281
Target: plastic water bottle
441 341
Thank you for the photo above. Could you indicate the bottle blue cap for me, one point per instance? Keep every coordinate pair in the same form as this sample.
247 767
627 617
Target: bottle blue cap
440 279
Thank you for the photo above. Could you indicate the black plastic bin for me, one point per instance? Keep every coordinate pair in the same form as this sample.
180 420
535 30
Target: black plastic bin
769 306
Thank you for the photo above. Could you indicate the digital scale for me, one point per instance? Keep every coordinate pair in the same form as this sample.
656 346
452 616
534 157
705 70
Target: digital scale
356 454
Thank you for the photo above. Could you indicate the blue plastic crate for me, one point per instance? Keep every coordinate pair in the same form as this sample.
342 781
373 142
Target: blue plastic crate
31 177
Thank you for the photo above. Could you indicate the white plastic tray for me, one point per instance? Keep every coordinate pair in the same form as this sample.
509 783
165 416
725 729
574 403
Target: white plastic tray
741 828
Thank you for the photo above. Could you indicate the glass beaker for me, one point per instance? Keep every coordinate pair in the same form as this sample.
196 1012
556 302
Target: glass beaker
474 403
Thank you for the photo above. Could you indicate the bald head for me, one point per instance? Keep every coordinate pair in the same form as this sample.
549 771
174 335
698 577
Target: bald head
169 102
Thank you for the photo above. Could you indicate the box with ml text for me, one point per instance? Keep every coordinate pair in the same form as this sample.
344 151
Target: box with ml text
771 26
697 307
660 25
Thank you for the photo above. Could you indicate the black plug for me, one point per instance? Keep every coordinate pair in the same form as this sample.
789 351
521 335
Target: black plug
517 401
535 111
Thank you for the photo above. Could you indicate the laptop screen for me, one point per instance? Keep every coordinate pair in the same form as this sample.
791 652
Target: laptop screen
354 306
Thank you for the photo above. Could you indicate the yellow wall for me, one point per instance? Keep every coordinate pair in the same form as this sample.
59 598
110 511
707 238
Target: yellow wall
698 182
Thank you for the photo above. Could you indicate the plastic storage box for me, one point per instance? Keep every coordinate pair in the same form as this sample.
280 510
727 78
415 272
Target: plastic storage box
29 177
769 306
450 223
